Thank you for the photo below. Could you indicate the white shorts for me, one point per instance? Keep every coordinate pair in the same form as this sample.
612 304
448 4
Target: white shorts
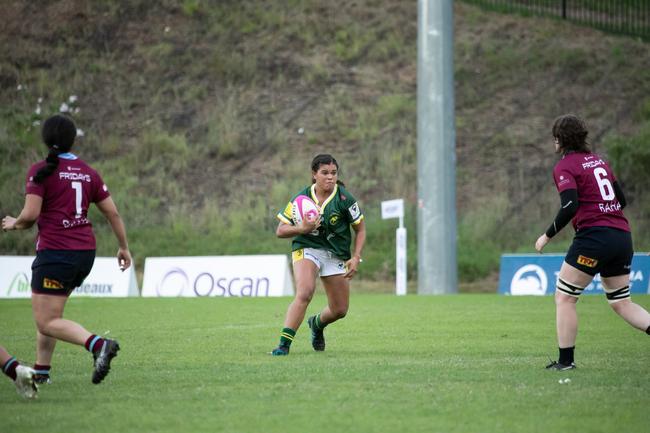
328 264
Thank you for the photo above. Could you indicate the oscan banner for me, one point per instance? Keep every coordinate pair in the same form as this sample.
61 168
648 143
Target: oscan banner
105 279
224 276
536 274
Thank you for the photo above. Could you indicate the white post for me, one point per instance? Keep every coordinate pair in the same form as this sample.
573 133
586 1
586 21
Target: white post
400 263
395 209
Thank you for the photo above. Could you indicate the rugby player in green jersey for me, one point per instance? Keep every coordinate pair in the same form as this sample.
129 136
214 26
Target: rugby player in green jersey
322 248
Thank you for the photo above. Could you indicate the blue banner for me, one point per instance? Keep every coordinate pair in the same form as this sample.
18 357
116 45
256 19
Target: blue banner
536 274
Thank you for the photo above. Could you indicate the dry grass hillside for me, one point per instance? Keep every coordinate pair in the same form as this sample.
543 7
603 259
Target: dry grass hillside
203 115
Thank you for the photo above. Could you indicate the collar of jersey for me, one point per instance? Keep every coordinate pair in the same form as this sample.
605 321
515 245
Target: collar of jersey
68 155
327 200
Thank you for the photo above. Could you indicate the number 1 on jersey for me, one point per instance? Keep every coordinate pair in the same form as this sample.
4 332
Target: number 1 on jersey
605 186
77 189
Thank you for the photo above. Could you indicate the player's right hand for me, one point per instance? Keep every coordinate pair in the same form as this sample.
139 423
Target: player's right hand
307 226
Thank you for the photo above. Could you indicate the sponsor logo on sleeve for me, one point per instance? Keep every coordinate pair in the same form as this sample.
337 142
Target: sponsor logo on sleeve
354 210
587 261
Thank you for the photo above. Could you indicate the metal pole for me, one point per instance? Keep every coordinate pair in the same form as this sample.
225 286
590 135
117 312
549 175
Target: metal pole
436 223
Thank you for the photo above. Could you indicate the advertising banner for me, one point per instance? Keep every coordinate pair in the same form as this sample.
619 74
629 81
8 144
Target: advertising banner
105 279
536 274
259 275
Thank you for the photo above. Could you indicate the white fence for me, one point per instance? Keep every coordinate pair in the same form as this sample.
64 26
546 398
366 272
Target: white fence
226 276
105 279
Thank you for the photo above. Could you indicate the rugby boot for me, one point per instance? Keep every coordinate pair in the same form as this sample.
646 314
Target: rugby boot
24 382
41 379
103 360
554 365
280 351
317 336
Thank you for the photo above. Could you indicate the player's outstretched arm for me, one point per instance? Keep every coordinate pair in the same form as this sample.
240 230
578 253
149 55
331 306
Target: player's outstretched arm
28 215
108 208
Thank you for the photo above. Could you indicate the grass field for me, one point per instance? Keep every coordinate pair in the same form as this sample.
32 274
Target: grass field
465 363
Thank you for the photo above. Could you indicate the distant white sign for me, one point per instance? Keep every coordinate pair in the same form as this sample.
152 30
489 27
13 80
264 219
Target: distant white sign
105 279
392 208
260 275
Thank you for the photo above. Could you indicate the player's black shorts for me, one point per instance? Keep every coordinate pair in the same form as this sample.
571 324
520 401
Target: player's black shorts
59 272
603 250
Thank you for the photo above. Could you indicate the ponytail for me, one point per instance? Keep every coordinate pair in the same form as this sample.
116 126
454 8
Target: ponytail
58 134
52 162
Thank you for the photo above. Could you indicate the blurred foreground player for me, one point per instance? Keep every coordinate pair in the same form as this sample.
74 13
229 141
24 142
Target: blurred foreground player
57 196
22 376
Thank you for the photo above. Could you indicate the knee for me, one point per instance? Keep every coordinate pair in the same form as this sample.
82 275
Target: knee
42 325
619 306
44 322
562 299
567 293
304 296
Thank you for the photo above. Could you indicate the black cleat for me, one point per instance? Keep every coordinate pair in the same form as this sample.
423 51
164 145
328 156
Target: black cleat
42 379
280 351
554 365
103 360
317 337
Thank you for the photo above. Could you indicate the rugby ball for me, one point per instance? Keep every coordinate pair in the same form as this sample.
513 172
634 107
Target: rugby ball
304 208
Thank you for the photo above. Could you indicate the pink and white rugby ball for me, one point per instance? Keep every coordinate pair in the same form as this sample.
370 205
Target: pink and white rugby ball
304 208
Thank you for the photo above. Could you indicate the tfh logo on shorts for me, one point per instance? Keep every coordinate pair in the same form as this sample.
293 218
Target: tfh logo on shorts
51 284
587 261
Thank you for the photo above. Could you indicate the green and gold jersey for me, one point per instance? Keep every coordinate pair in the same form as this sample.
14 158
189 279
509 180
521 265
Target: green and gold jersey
337 213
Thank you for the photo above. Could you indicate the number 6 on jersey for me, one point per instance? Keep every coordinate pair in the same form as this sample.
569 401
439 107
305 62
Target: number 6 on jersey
605 186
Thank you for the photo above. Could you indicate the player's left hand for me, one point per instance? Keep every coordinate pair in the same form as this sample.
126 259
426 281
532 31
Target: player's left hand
352 265
541 242
124 258
8 223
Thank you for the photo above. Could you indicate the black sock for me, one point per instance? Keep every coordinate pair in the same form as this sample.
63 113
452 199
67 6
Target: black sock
647 331
566 355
